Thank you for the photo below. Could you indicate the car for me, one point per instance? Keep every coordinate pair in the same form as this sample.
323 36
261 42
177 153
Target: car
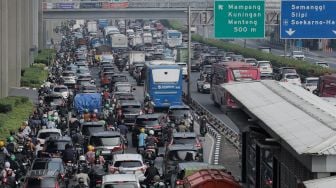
82 82
310 83
128 163
299 55
72 68
156 122
184 68
130 111
56 145
69 77
185 138
177 113
251 61
123 87
175 154
54 100
322 64
118 78
120 96
107 143
45 133
203 83
61 90
292 78
120 180
89 128
49 164
88 88
265 68
206 70
83 70
279 72
43 179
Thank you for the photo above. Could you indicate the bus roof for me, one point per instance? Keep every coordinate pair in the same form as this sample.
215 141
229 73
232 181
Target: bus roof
234 64
161 62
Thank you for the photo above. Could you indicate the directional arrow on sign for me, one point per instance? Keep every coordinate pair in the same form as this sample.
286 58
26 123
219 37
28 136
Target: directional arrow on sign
334 32
290 32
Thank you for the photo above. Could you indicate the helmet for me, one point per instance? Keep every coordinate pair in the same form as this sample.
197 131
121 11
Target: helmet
95 111
142 130
151 132
156 178
7 164
90 148
82 158
2 144
45 115
107 105
50 118
86 110
10 139
55 114
12 157
151 163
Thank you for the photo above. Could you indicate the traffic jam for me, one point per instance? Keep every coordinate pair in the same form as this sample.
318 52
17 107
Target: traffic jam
112 114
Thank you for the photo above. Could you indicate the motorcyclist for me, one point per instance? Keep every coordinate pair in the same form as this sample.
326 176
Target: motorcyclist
142 139
68 154
8 173
11 145
84 176
81 183
86 115
26 129
182 127
123 128
152 141
150 173
51 122
203 121
90 155
3 152
82 163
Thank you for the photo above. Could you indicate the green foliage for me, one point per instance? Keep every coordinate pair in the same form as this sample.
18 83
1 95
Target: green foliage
21 108
44 56
34 76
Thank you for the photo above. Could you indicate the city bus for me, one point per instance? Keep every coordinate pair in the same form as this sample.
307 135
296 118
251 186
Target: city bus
173 38
162 84
228 72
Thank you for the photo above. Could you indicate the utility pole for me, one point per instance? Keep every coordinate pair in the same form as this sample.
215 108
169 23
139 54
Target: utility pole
189 55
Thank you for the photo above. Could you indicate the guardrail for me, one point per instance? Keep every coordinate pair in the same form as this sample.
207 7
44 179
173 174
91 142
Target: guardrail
216 128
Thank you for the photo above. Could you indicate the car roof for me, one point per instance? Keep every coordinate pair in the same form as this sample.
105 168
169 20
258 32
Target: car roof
106 133
59 138
184 134
93 123
181 147
44 173
49 130
193 165
120 178
127 156
129 102
178 106
48 160
155 115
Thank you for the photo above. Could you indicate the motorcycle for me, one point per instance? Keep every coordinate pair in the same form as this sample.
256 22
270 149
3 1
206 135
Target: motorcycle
150 153
70 170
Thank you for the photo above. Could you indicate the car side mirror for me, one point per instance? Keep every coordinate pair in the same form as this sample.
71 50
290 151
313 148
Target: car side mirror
133 88
161 155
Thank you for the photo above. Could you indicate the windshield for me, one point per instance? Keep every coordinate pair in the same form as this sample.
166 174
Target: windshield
184 140
147 122
48 134
292 76
298 53
124 88
83 82
60 89
265 65
127 164
245 74
174 35
68 74
42 165
166 75
121 185
323 64
179 112
119 79
45 182
207 69
251 61
105 141
92 129
131 108
312 82
182 155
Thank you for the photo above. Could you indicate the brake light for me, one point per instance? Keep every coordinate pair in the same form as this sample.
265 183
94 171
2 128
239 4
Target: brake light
198 145
179 182
62 176
117 148
98 181
143 169
57 185
157 126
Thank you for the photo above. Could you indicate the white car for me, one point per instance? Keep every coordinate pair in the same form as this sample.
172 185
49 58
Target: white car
120 180
184 68
322 64
61 90
299 55
310 83
69 77
45 133
128 164
123 87
292 78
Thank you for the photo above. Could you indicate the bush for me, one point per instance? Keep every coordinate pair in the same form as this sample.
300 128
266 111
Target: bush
44 56
4 108
34 76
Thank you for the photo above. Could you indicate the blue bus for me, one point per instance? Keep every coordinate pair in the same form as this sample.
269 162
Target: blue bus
163 84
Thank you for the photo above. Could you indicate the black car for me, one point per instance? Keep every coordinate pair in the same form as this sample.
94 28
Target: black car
130 109
43 179
56 145
175 154
89 128
156 122
118 78
49 164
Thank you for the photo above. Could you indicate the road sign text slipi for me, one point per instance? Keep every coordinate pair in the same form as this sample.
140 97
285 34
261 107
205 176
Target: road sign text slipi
239 18
308 19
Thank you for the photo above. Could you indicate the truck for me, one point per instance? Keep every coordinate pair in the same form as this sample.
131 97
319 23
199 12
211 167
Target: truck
136 41
135 57
92 26
78 24
210 178
119 41
89 101
326 86
147 38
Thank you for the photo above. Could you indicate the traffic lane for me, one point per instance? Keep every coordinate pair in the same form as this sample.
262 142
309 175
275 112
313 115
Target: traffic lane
206 102
31 93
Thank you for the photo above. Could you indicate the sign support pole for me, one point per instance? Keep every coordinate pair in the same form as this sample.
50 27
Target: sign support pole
285 51
189 56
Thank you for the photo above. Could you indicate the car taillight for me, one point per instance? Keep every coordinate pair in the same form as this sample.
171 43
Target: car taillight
198 145
179 182
57 185
117 148
62 176
98 181
157 126
143 169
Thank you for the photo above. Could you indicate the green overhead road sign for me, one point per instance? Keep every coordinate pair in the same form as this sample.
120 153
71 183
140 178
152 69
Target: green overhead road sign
239 18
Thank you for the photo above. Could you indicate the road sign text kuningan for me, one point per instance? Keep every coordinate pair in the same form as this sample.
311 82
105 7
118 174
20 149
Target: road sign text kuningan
239 18
308 19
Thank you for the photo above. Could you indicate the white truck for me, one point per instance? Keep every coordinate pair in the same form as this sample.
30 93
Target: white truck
119 41
136 41
92 27
147 38
78 24
135 57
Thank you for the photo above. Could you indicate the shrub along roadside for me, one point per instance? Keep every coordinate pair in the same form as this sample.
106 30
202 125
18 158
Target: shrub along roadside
304 68
44 56
21 108
34 76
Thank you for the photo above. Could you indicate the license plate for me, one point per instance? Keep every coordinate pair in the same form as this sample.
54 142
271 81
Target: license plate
105 152
159 133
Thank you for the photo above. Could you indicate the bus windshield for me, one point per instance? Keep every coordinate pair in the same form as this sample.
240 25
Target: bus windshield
166 75
245 74
174 35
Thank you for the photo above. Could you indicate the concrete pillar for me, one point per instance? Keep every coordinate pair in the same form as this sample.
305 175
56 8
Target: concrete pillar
25 34
41 25
14 43
30 31
3 48
35 9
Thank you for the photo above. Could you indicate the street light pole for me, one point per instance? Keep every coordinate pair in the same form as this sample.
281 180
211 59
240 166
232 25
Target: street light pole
189 55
